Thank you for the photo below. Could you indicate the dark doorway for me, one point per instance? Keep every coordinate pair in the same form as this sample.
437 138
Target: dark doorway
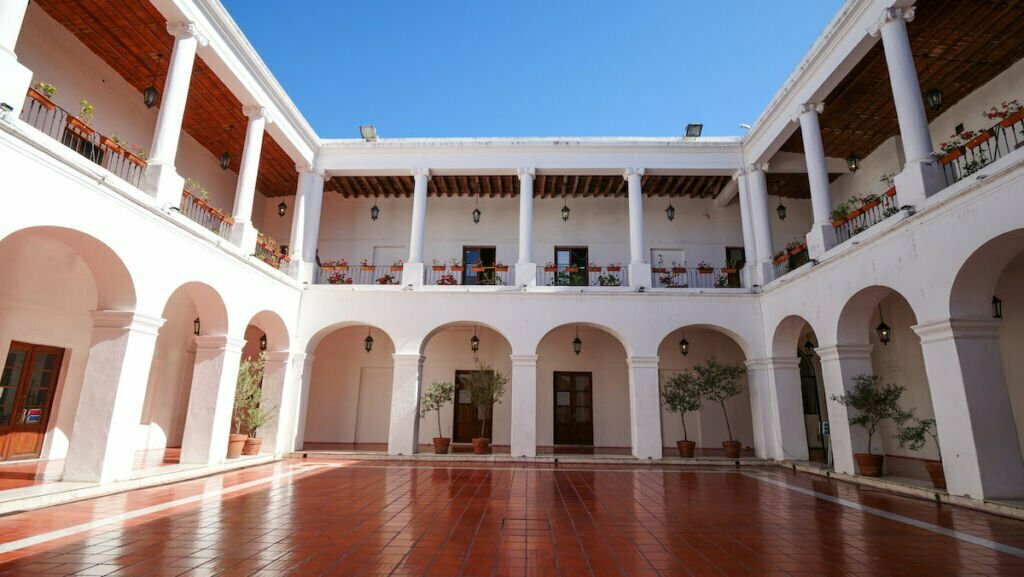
27 389
572 266
574 404
735 256
467 418
479 261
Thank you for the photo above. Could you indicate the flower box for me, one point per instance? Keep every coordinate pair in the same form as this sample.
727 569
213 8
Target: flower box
678 270
41 99
705 270
438 268
593 269
729 271
978 140
614 268
796 251
1011 120
133 159
855 213
891 192
501 269
458 268
572 269
951 156
368 267
396 268
869 205
659 270
551 269
478 268
80 126
783 258
111 144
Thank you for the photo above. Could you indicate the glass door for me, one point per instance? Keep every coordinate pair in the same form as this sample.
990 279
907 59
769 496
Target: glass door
572 266
574 404
27 388
479 261
467 425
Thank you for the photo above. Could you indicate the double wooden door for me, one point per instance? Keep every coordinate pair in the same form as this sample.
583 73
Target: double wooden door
27 388
468 425
574 408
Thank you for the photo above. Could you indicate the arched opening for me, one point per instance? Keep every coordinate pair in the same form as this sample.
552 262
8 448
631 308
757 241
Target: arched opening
795 335
707 427
266 337
53 279
449 357
349 398
882 318
583 403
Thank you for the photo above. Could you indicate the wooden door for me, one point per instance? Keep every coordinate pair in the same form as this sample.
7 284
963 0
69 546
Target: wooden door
467 425
574 409
27 388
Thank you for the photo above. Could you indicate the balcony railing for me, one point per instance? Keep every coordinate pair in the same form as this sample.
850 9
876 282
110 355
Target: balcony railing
208 217
873 210
41 113
368 274
608 276
793 258
268 251
447 275
695 277
984 148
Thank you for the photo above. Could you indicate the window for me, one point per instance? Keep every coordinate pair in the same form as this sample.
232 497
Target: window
572 266
667 257
478 256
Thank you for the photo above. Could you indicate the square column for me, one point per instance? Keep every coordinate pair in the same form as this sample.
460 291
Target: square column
403 435
304 368
526 268
279 394
973 414
747 274
839 365
524 405
212 400
102 448
644 407
161 178
243 233
785 413
413 271
757 196
309 196
822 236
14 76
639 268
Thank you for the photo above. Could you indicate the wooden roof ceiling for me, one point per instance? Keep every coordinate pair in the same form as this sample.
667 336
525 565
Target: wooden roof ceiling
544 185
127 35
792 184
958 46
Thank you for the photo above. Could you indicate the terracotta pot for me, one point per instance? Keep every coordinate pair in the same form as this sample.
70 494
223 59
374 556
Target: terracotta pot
366 267
441 445
891 192
937 474
728 271
438 268
235 445
593 269
550 269
252 446
47 103
871 204
501 269
705 270
658 270
396 268
478 268
869 465
614 268
457 268
686 448
732 449
481 445
1010 121
678 270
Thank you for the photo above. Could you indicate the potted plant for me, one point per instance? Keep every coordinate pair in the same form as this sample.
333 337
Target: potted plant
456 265
112 143
704 268
550 267
681 394
678 268
250 376
731 266
447 279
572 269
477 267
667 281
397 265
593 267
486 388
722 281
839 214
615 267
500 266
386 279
659 268
913 434
437 395
437 265
780 256
609 280
84 118
42 93
364 264
257 416
873 403
719 382
335 265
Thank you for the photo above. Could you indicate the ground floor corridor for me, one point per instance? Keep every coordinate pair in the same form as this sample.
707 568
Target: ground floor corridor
308 517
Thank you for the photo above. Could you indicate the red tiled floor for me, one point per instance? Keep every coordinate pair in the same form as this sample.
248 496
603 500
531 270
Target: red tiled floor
417 518
18 474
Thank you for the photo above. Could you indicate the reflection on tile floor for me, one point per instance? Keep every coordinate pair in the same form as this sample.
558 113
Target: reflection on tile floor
303 517
18 474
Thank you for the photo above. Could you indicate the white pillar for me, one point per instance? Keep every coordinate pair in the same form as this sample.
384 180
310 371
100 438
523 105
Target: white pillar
524 405
14 77
786 410
304 378
243 233
211 400
277 396
822 236
757 194
921 174
973 414
645 407
103 438
767 443
526 268
161 178
413 271
639 268
748 274
305 215
839 365
403 436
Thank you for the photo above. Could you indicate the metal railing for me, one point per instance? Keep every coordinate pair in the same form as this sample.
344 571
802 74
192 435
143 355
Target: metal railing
382 274
872 212
60 125
792 260
984 149
268 251
695 277
205 215
482 275
608 276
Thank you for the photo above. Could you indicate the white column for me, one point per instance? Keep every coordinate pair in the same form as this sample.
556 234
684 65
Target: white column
839 365
526 268
921 175
645 407
304 378
748 274
786 408
973 414
403 436
14 77
524 405
211 400
243 233
161 178
767 444
314 208
303 217
277 395
757 194
822 236
412 273
639 268
102 447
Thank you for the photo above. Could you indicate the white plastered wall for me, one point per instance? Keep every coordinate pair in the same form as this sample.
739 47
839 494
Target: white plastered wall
1011 335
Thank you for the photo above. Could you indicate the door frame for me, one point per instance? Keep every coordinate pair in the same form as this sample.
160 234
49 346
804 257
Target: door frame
21 394
554 407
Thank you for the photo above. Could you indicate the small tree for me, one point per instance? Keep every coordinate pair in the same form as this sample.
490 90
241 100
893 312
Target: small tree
873 403
719 382
250 378
435 398
486 388
681 394
914 433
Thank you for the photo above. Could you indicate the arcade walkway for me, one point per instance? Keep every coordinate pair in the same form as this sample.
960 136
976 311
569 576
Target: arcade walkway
307 517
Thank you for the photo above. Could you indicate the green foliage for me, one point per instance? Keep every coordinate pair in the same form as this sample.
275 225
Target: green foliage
47 89
247 411
437 395
486 388
87 113
719 382
681 394
914 433
873 403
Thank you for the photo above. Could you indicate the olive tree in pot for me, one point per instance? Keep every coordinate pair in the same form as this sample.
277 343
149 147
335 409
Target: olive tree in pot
873 403
257 416
719 382
681 394
486 388
250 376
434 399
914 433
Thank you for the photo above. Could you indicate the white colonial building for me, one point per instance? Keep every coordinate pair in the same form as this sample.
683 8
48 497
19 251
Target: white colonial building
149 160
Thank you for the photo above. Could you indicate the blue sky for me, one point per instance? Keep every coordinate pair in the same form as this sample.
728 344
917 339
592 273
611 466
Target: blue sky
422 68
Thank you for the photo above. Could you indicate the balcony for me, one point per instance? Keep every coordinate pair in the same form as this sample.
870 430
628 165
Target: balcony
702 276
268 251
339 272
456 273
608 276
195 205
862 212
789 259
968 152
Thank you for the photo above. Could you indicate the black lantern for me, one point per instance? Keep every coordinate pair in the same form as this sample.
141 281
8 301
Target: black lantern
225 161
565 212
684 345
474 343
934 99
151 94
781 210
809 347
368 341
263 342
195 327
884 331
374 211
670 212
577 344
997 307
476 216
853 162
282 208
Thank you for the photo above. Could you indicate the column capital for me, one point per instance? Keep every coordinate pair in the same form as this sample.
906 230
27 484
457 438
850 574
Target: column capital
257 112
740 173
632 171
757 167
526 172
126 320
405 359
277 356
892 14
772 363
817 107
422 172
959 329
187 30
524 360
642 362
301 167
844 352
212 342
